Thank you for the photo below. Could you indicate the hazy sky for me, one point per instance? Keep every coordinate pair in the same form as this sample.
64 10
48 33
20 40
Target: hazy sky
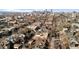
39 4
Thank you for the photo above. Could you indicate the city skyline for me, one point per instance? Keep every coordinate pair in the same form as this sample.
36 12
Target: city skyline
30 10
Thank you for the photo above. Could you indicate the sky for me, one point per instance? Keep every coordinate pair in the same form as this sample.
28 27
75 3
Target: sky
39 4
22 5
